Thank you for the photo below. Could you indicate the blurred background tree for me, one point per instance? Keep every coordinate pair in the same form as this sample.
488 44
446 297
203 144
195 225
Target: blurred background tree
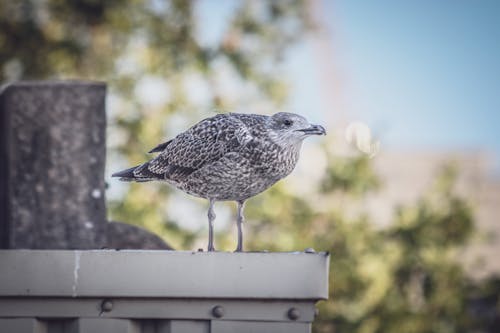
163 76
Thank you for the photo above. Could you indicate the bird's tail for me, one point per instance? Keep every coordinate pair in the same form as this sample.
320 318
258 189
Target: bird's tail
132 174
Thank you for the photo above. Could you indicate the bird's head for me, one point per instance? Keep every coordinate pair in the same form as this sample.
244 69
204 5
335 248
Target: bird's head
290 128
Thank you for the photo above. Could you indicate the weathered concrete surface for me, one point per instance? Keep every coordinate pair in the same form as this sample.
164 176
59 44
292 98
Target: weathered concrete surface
52 156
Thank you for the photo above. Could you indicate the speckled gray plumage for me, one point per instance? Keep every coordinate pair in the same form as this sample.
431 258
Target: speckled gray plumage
228 156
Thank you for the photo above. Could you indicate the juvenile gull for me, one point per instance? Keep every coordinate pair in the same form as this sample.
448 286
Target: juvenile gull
228 157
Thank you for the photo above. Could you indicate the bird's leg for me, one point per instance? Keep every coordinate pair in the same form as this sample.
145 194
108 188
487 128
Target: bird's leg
211 218
239 222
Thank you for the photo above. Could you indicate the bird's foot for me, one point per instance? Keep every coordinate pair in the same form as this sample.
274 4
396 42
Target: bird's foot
211 249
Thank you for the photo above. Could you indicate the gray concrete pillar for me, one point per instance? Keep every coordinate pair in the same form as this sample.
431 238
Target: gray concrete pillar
52 157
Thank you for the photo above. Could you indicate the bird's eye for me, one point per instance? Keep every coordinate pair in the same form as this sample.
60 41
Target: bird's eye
288 122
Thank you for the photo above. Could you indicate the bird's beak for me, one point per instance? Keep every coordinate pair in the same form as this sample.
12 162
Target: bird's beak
314 130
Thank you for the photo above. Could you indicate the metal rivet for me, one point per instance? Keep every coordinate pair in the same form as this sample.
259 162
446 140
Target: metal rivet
309 250
293 313
106 305
218 311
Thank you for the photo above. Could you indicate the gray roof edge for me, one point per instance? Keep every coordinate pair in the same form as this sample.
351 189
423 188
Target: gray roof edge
158 273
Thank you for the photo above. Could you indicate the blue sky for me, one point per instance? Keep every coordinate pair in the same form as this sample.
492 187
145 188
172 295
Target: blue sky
423 74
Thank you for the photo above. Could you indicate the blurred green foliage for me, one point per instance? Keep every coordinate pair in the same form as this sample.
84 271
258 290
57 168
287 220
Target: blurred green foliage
403 278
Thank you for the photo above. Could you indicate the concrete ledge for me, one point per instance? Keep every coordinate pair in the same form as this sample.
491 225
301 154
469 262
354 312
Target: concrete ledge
163 274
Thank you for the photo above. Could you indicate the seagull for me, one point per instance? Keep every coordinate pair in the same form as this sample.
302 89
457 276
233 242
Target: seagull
228 157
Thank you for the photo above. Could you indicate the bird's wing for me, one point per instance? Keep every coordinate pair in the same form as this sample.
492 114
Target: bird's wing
203 143
160 147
